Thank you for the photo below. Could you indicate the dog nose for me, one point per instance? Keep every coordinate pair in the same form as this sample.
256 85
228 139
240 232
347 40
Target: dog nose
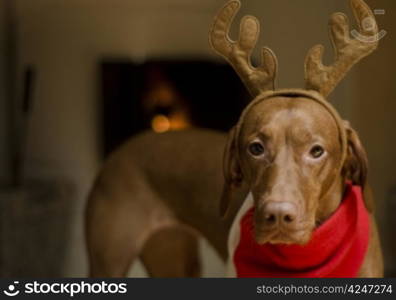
276 212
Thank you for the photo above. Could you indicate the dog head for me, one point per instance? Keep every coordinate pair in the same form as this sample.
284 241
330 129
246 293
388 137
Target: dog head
290 148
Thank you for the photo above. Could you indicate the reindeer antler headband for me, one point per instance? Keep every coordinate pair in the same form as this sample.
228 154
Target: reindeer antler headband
238 53
320 80
318 77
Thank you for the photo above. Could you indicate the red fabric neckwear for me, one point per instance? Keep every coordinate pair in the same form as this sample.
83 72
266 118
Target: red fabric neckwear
336 249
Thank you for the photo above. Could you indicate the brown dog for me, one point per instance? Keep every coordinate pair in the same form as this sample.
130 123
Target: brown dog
290 149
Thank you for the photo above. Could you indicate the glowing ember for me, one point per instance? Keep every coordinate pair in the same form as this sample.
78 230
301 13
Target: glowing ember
160 123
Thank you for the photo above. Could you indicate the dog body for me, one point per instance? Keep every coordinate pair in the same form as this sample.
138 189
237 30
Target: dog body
290 151
151 199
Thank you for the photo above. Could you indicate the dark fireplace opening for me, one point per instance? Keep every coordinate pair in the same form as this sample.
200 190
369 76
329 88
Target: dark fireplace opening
162 95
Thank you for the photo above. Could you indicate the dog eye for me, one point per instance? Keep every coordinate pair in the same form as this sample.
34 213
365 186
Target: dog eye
317 151
256 149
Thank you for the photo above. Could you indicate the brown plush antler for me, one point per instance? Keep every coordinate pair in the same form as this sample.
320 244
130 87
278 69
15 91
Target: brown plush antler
238 53
348 51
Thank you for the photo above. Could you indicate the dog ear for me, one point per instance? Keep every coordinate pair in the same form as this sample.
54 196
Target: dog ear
356 164
233 178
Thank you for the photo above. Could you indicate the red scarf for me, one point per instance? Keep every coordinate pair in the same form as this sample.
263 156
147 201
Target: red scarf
336 249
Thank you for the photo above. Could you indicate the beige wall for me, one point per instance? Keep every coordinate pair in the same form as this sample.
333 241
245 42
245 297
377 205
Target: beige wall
374 115
4 167
66 38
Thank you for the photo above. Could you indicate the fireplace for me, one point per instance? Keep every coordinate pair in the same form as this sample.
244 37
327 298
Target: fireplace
163 95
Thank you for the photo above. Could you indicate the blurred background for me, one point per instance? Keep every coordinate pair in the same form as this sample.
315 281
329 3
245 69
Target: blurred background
78 77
